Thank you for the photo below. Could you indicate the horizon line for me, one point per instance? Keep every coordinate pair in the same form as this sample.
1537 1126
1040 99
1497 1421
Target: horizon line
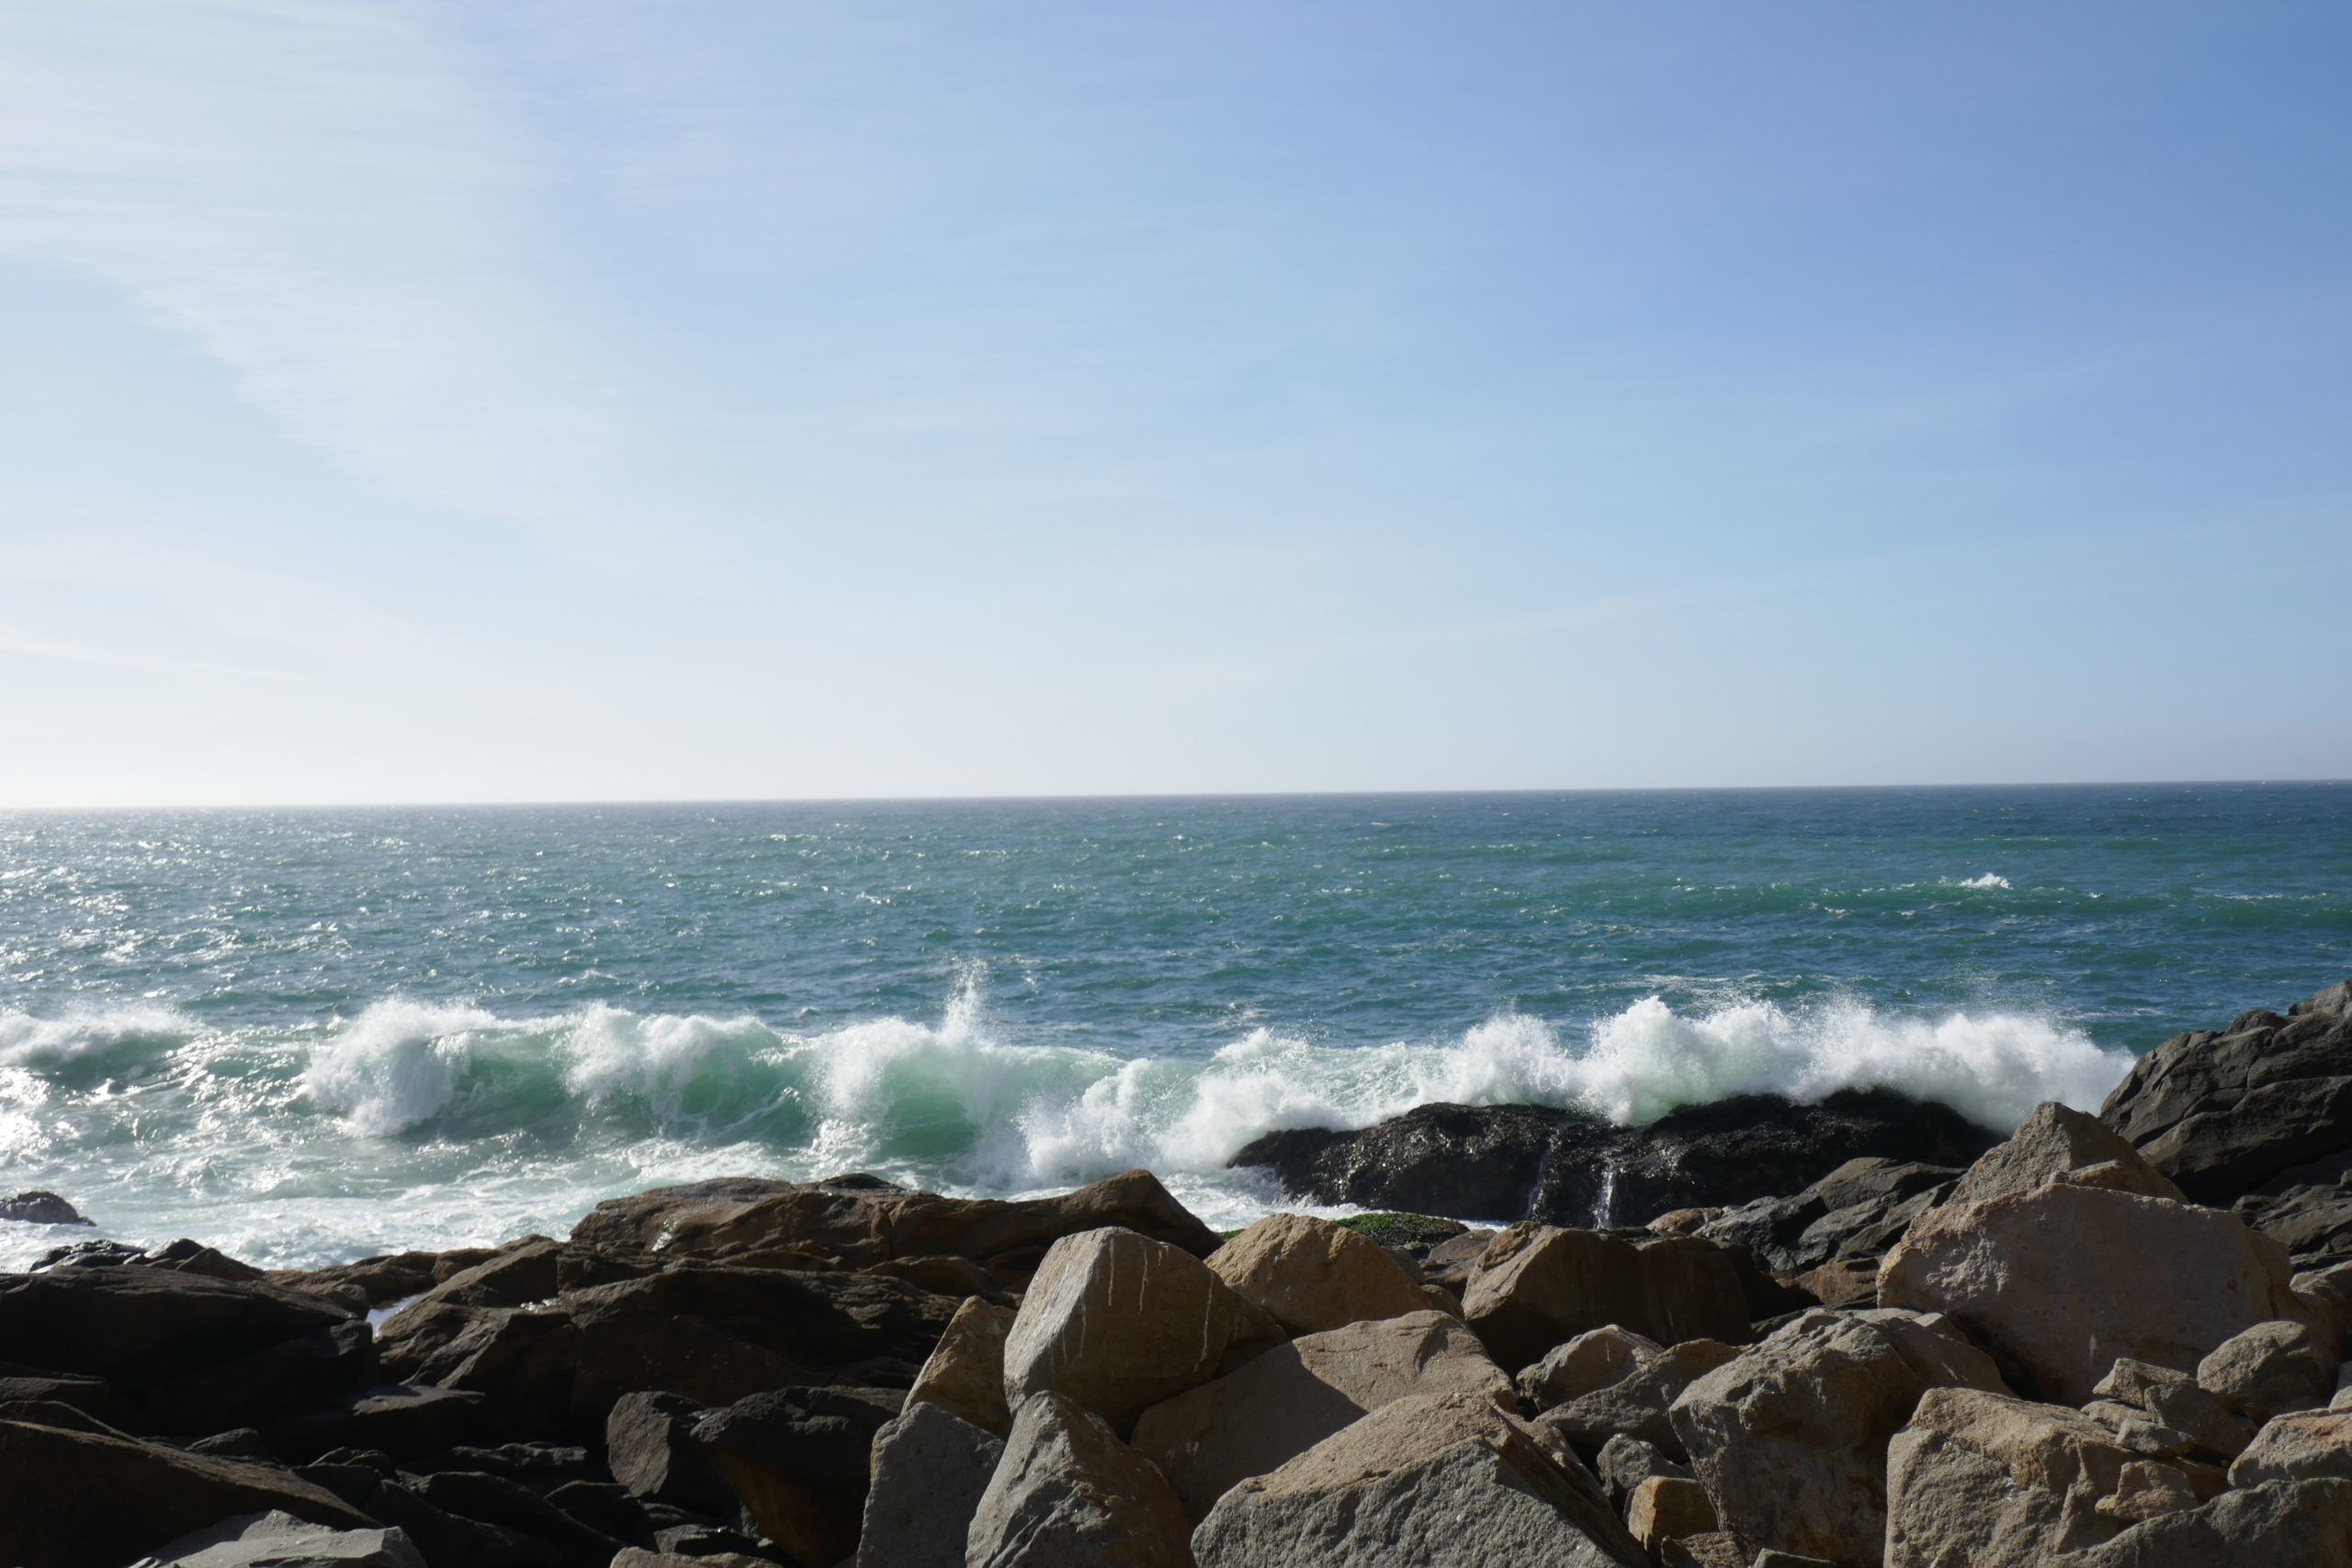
618 802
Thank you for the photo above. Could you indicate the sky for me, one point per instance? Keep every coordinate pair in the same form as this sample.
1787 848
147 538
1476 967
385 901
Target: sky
428 401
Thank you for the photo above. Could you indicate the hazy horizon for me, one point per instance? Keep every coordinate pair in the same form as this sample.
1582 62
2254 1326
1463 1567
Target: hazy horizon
413 401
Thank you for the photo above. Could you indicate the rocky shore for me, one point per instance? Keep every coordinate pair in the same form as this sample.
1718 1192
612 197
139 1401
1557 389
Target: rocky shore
1752 1335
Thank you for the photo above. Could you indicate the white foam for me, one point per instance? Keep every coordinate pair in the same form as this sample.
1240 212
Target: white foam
393 1066
1990 879
27 1040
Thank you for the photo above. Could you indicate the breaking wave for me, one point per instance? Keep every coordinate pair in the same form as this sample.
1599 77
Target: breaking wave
955 1101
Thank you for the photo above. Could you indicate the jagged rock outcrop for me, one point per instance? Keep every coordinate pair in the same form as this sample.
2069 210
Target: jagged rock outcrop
1859 1210
2259 1110
1570 1167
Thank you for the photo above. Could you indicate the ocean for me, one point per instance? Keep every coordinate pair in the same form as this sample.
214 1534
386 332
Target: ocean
305 1036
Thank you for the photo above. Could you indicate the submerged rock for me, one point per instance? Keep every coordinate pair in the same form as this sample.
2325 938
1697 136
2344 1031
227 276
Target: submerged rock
41 1209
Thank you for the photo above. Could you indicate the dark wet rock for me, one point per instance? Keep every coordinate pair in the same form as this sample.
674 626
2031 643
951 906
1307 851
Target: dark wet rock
381 1280
41 1209
94 1395
393 1418
1857 1211
1572 1168
87 1254
79 1499
651 1447
188 1256
1538 1286
138 1327
264 1384
500 1501
859 1222
238 1442
799 1459
2223 1112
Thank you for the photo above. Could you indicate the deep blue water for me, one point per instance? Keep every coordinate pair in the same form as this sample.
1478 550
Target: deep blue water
306 1035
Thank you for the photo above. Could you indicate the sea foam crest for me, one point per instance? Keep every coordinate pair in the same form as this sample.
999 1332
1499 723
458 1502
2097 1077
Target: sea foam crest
28 1041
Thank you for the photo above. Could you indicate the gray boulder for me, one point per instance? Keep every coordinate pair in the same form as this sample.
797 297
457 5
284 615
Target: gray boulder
1857 1211
799 1459
1791 1437
1538 1286
1433 1481
2305 1523
1637 1404
2304 1445
1286 1401
931 1467
2053 1140
2272 1366
277 1540
1067 1494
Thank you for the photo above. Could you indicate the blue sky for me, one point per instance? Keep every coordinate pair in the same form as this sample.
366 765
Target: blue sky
450 401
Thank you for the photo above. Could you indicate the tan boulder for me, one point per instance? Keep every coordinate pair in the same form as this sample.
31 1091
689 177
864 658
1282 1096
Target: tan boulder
2062 1280
2270 1369
1286 1401
1067 1494
1665 1508
1433 1481
1790 1437
1715 1549
1539 1285
1309 1274
931 1467
966 1371
2307 1524
1637 1405
2304 1445
2180 1416
1985 1480
2053 1140
1594 1358
1119 1322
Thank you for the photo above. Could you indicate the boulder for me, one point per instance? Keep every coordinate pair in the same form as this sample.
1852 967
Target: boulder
1626 1462
1594 1358
1293 1396
1665 1508
188 1256
1067 1494
2306 1523
1570 1167
2222 1112
391 1418
1538 1286
1309 1274
1637 1404
650 1447
138 1327
800 1458
1857 1210
931 1467
1984 1480
2052 1140
277 1540
501 1501
966 1371
2158 1410
2302 1445
861 1220
2307 1208
77 1499
41 1209
1715 1549
2060 1280
1437 1480
263 1384
1791 1437
2270 1368
1119 1322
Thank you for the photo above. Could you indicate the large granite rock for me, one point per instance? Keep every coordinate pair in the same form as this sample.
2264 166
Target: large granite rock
1286 1401
1567 1167
931 1469
1984 1480
2306 1523
1117 1322
860 1222
2060 1280
1309 1274
2223 1112
1639 1403
276 1540
966 1371
1433 1481
2302 1445
2053 1140
1067 1494
1791 1437
88 1499
1538 1286
2271 1368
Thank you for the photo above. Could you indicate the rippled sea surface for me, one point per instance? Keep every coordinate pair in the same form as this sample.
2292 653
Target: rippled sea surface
308 1035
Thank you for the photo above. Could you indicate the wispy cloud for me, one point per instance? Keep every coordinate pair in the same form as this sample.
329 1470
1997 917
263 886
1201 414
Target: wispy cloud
337 200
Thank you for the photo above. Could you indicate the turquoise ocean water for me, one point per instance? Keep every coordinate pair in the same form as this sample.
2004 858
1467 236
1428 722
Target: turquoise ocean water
309 1035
